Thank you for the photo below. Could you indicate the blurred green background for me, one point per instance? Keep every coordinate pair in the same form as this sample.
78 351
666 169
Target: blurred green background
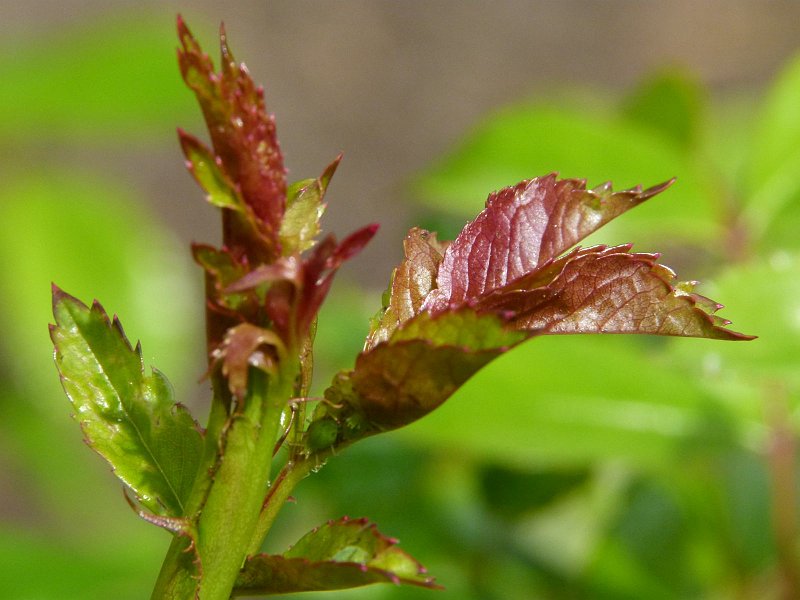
574 467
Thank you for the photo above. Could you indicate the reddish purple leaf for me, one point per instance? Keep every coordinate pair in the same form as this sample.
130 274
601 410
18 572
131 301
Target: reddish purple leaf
297 287
512 270
247 346
242 133
522 228
610 290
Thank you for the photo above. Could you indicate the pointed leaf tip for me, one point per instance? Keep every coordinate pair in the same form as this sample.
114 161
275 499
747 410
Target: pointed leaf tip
657 189
244 139
329 171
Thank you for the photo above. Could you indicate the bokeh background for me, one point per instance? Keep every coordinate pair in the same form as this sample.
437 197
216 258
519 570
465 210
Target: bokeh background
586 467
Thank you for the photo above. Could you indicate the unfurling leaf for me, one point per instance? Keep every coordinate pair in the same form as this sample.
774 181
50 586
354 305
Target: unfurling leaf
304 209
411 283
341 554
297 286
508 276
244 139
207 171
153 445
245 346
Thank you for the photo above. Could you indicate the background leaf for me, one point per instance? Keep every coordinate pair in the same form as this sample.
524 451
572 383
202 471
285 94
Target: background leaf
772 188
525 141
670 102
94 83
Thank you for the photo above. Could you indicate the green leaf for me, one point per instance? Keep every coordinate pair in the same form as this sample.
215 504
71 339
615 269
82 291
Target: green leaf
512 492
772 182
670 102
743 377
341 554
130 419
105 79
304 209
207 171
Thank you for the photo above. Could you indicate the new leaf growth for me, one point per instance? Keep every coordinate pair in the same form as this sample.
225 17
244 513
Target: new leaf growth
512 274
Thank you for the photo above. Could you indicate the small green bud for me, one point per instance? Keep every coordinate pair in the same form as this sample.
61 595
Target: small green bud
322 434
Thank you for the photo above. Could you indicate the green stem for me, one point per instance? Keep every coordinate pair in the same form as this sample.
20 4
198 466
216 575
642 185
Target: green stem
233 503
289 477
176 580
178 576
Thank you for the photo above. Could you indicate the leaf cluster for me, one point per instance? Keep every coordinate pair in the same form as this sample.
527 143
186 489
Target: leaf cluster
512 273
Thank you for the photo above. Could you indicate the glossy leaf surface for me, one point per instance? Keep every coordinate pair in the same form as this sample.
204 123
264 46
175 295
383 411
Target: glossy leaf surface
505 278
425 361
304 209
610 290
203 166
522 228
341 554
129 418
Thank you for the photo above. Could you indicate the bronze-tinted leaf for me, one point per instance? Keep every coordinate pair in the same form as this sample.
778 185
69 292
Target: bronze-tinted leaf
243 136
411 283
522 228
341 554
612 290
424 362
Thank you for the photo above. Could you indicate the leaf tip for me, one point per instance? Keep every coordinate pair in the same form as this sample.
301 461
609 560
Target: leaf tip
184 34
656 189
327 174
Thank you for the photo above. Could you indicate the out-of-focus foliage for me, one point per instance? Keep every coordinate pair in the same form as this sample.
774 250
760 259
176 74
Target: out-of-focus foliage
573 467
690 430
117 84
94 83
